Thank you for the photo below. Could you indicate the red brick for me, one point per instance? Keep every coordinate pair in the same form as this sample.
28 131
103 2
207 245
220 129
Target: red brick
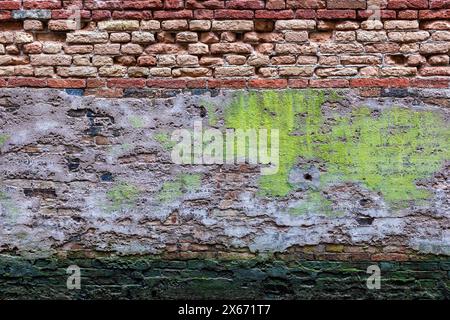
329 83
66 14
275 4
435 71
385 14
126 83
10 5
27 82
407 4
179 14
389 257
267 11
146 61
231 84
123 4
377 82
298 83
173 4
430 83
166 83
233 14
306 4
142 4
439 4
336 14
66 83
132 15
434 14
3 82
346 4
197 84
202 14
274 14
106 5
245 4
267 83
408 14
95 83
98 15
208 4
5 15
106 92
305 14
42 4
72 4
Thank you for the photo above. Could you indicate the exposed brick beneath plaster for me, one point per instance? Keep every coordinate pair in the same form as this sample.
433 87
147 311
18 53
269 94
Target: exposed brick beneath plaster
169 43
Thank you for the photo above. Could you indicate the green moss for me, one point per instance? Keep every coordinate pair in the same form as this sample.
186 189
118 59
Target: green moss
136 122
286 112
164 140
183 183
334 96
123 195
191 182
386 152
3 138
211 110
170 191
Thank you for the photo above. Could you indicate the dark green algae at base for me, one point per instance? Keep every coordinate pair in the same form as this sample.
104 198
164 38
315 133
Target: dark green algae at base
149 278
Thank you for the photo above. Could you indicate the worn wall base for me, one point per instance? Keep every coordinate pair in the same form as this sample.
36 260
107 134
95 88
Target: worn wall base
147 278
98 174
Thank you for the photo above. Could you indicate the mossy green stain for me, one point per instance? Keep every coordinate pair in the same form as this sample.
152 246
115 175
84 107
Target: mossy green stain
136 122
191 182
286 112
123 195
164 140
170 191
3 138
183 183
211 110
334 96
386 152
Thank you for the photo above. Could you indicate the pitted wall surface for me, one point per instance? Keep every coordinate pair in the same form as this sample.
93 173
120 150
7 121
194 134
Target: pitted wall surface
95 174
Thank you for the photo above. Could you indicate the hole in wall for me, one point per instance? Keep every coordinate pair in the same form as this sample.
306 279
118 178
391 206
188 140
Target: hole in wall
73 164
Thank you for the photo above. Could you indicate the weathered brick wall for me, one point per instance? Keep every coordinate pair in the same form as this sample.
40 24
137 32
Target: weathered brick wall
215 44
150 278
87 175
358 178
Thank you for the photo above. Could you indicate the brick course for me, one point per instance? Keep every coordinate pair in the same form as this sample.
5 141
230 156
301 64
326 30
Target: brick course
273 44
106 277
